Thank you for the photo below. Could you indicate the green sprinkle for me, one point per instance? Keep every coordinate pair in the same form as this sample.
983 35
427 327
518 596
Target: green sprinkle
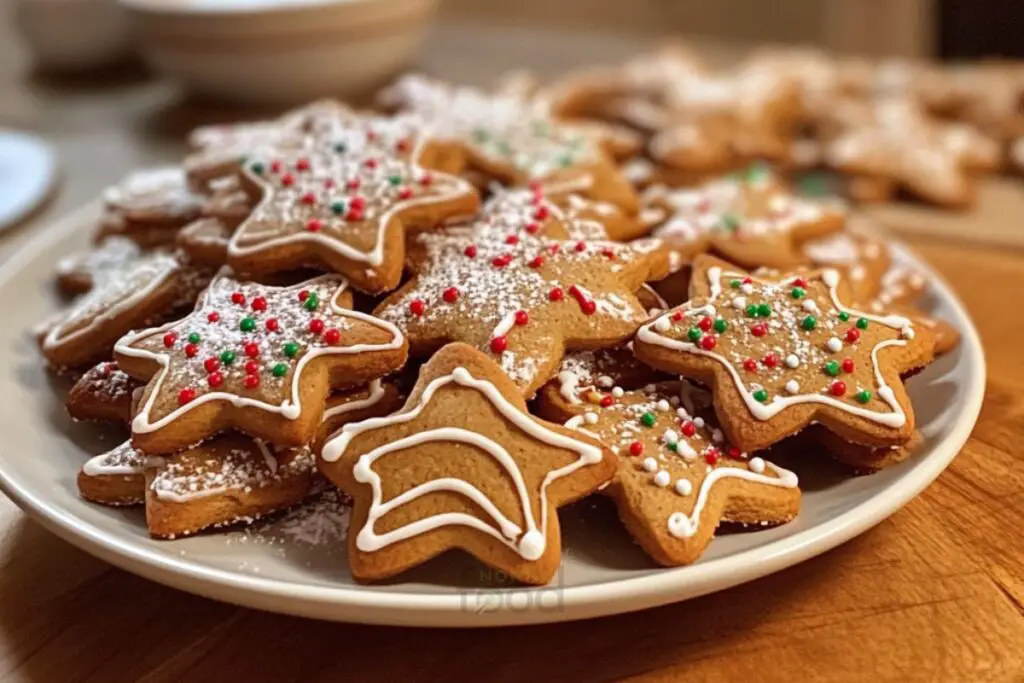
694 334
721 325
862 323
751 310
647 419
730 222
194 338
756 171
809 323
863 396
247 325
338 208
291 349
735 284
257 167
844 316
340 147
480 135
831 368
565 160
764 311
797 292
312 302
761 395
279 370
395 179
673 446
227 358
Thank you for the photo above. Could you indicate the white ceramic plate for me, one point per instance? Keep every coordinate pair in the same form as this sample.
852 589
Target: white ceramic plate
278 569
28 169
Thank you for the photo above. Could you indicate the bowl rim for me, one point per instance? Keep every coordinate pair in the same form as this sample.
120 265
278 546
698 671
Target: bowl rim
212 9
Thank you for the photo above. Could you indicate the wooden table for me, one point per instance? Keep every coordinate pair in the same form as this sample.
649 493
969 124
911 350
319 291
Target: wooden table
935 593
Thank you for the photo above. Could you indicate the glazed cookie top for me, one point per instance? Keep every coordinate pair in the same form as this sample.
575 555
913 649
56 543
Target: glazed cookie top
789 341
248 344
516 286
155 194
344 189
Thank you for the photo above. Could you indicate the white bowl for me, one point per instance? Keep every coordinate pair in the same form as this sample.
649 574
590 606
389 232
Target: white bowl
279 52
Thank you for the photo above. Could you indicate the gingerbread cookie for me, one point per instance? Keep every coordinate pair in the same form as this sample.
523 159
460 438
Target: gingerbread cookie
103 393
509 286
782 353
513 141
345 202
206 241
149 206
678 476
488 478
116 478
128 288
748 218
258 358
862 260
595 378
861 459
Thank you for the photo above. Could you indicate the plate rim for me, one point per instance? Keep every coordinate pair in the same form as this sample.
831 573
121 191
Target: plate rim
378 606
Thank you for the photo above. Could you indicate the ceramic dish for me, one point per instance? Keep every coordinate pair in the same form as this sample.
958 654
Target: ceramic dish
297 564
28 170
279 52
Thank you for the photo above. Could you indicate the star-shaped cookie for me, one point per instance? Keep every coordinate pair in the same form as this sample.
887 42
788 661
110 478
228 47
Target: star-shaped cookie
782 353
749 218
511 287
514 140
256 358
678 476
462 465
345 202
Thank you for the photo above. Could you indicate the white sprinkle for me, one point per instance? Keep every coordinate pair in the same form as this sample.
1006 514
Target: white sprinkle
650 464
605 381
650 389
617 392
717 436
670 436
739 302
793 387
663 406
681 412
590 418
747 288
810 306
684 487
756 465
662 324
834 345
792 361
699 422
662 479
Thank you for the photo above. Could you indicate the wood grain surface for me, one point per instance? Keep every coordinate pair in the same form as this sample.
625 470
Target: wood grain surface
935 593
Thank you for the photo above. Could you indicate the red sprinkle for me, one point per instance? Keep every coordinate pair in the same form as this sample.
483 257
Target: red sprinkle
708 341
511 239
636 448
402 145
370 163
417 307
354 214
554 248
186 395
608 253
169 339
750 365
588 307
259 304
522 317
800 282
556 294
470 251
251 349
838 388
314 225
213 316
252 381
308 198
677 316
711 455
271 324
532 227
852 335
689 429
316 325
451 295
405 193
771 360
287 180
332 336
191 350
211 364
275 166
499 344
705 324
580 246
759 329
848 365
352 184
426 180
358 202
303 295
536 262
541 213
735 453
302 165
215 379
251 367
607 401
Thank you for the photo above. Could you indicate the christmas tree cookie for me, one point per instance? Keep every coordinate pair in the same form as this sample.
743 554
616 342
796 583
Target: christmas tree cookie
785 352
462 465
515 286
256 358
678 475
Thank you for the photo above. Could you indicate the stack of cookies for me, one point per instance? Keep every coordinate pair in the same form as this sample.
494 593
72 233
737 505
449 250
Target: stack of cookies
464 315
